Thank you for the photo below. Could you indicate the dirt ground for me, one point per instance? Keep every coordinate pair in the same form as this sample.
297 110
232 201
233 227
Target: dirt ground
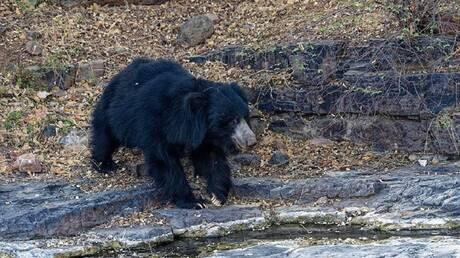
119 34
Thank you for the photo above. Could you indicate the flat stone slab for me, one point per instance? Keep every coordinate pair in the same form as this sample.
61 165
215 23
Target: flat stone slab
396 247
45 209
411 199
213 222
91 243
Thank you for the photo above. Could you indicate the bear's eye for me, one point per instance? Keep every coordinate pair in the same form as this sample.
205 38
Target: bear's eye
234 122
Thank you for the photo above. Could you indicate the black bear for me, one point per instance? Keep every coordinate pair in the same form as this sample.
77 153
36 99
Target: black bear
163 110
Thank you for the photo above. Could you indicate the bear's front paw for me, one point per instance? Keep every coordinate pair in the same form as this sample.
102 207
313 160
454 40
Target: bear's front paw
194 204
104 167
218 199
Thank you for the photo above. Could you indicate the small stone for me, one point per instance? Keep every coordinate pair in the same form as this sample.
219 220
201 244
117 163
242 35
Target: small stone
76 139
279 145
213 17
49 131
11 68
198 59
196 30
278 126
258 126
249 26
322 200
119 50
27 163
412 157
91 71
59 93
33 35
247 159
279 158
423 162
3 28
33 69
321 141
33 48
43 94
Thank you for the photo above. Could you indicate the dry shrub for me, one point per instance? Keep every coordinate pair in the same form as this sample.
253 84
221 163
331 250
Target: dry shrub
425 16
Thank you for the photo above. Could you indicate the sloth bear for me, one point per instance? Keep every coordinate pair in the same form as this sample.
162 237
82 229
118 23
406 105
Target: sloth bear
163 110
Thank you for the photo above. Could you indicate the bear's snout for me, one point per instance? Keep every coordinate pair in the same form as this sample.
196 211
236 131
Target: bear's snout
243 136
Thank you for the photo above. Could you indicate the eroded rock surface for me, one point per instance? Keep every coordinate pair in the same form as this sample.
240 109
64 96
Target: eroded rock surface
404 247
47 209
367 89
414 200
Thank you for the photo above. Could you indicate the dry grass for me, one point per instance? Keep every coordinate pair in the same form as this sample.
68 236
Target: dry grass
118 34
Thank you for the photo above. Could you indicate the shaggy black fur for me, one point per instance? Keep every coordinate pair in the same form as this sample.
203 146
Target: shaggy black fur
160 108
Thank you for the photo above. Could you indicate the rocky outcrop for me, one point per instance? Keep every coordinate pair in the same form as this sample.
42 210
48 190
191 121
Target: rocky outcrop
319 62
39 209
395 247
437 135
417 96
382 92
411 201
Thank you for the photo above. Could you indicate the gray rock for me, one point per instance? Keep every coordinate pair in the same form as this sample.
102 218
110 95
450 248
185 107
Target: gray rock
329 186
49 131
33 35
276 249
119 50
75 139
279 158
34 48
91 71
213 222
394 247
258 126
3 28
213 17
400 202
138 233
413 197
317 61
198 59
196 30
257 121
320 141
45 209
247 159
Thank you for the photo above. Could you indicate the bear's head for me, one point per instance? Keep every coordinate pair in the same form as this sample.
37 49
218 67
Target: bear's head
217 114
228 119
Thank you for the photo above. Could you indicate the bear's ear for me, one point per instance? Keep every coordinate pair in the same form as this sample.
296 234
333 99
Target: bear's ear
237 88
187 124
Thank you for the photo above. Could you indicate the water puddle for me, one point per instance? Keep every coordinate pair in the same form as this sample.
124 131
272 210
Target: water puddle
310 235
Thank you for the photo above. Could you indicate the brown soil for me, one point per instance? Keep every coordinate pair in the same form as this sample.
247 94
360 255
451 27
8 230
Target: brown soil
118 34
